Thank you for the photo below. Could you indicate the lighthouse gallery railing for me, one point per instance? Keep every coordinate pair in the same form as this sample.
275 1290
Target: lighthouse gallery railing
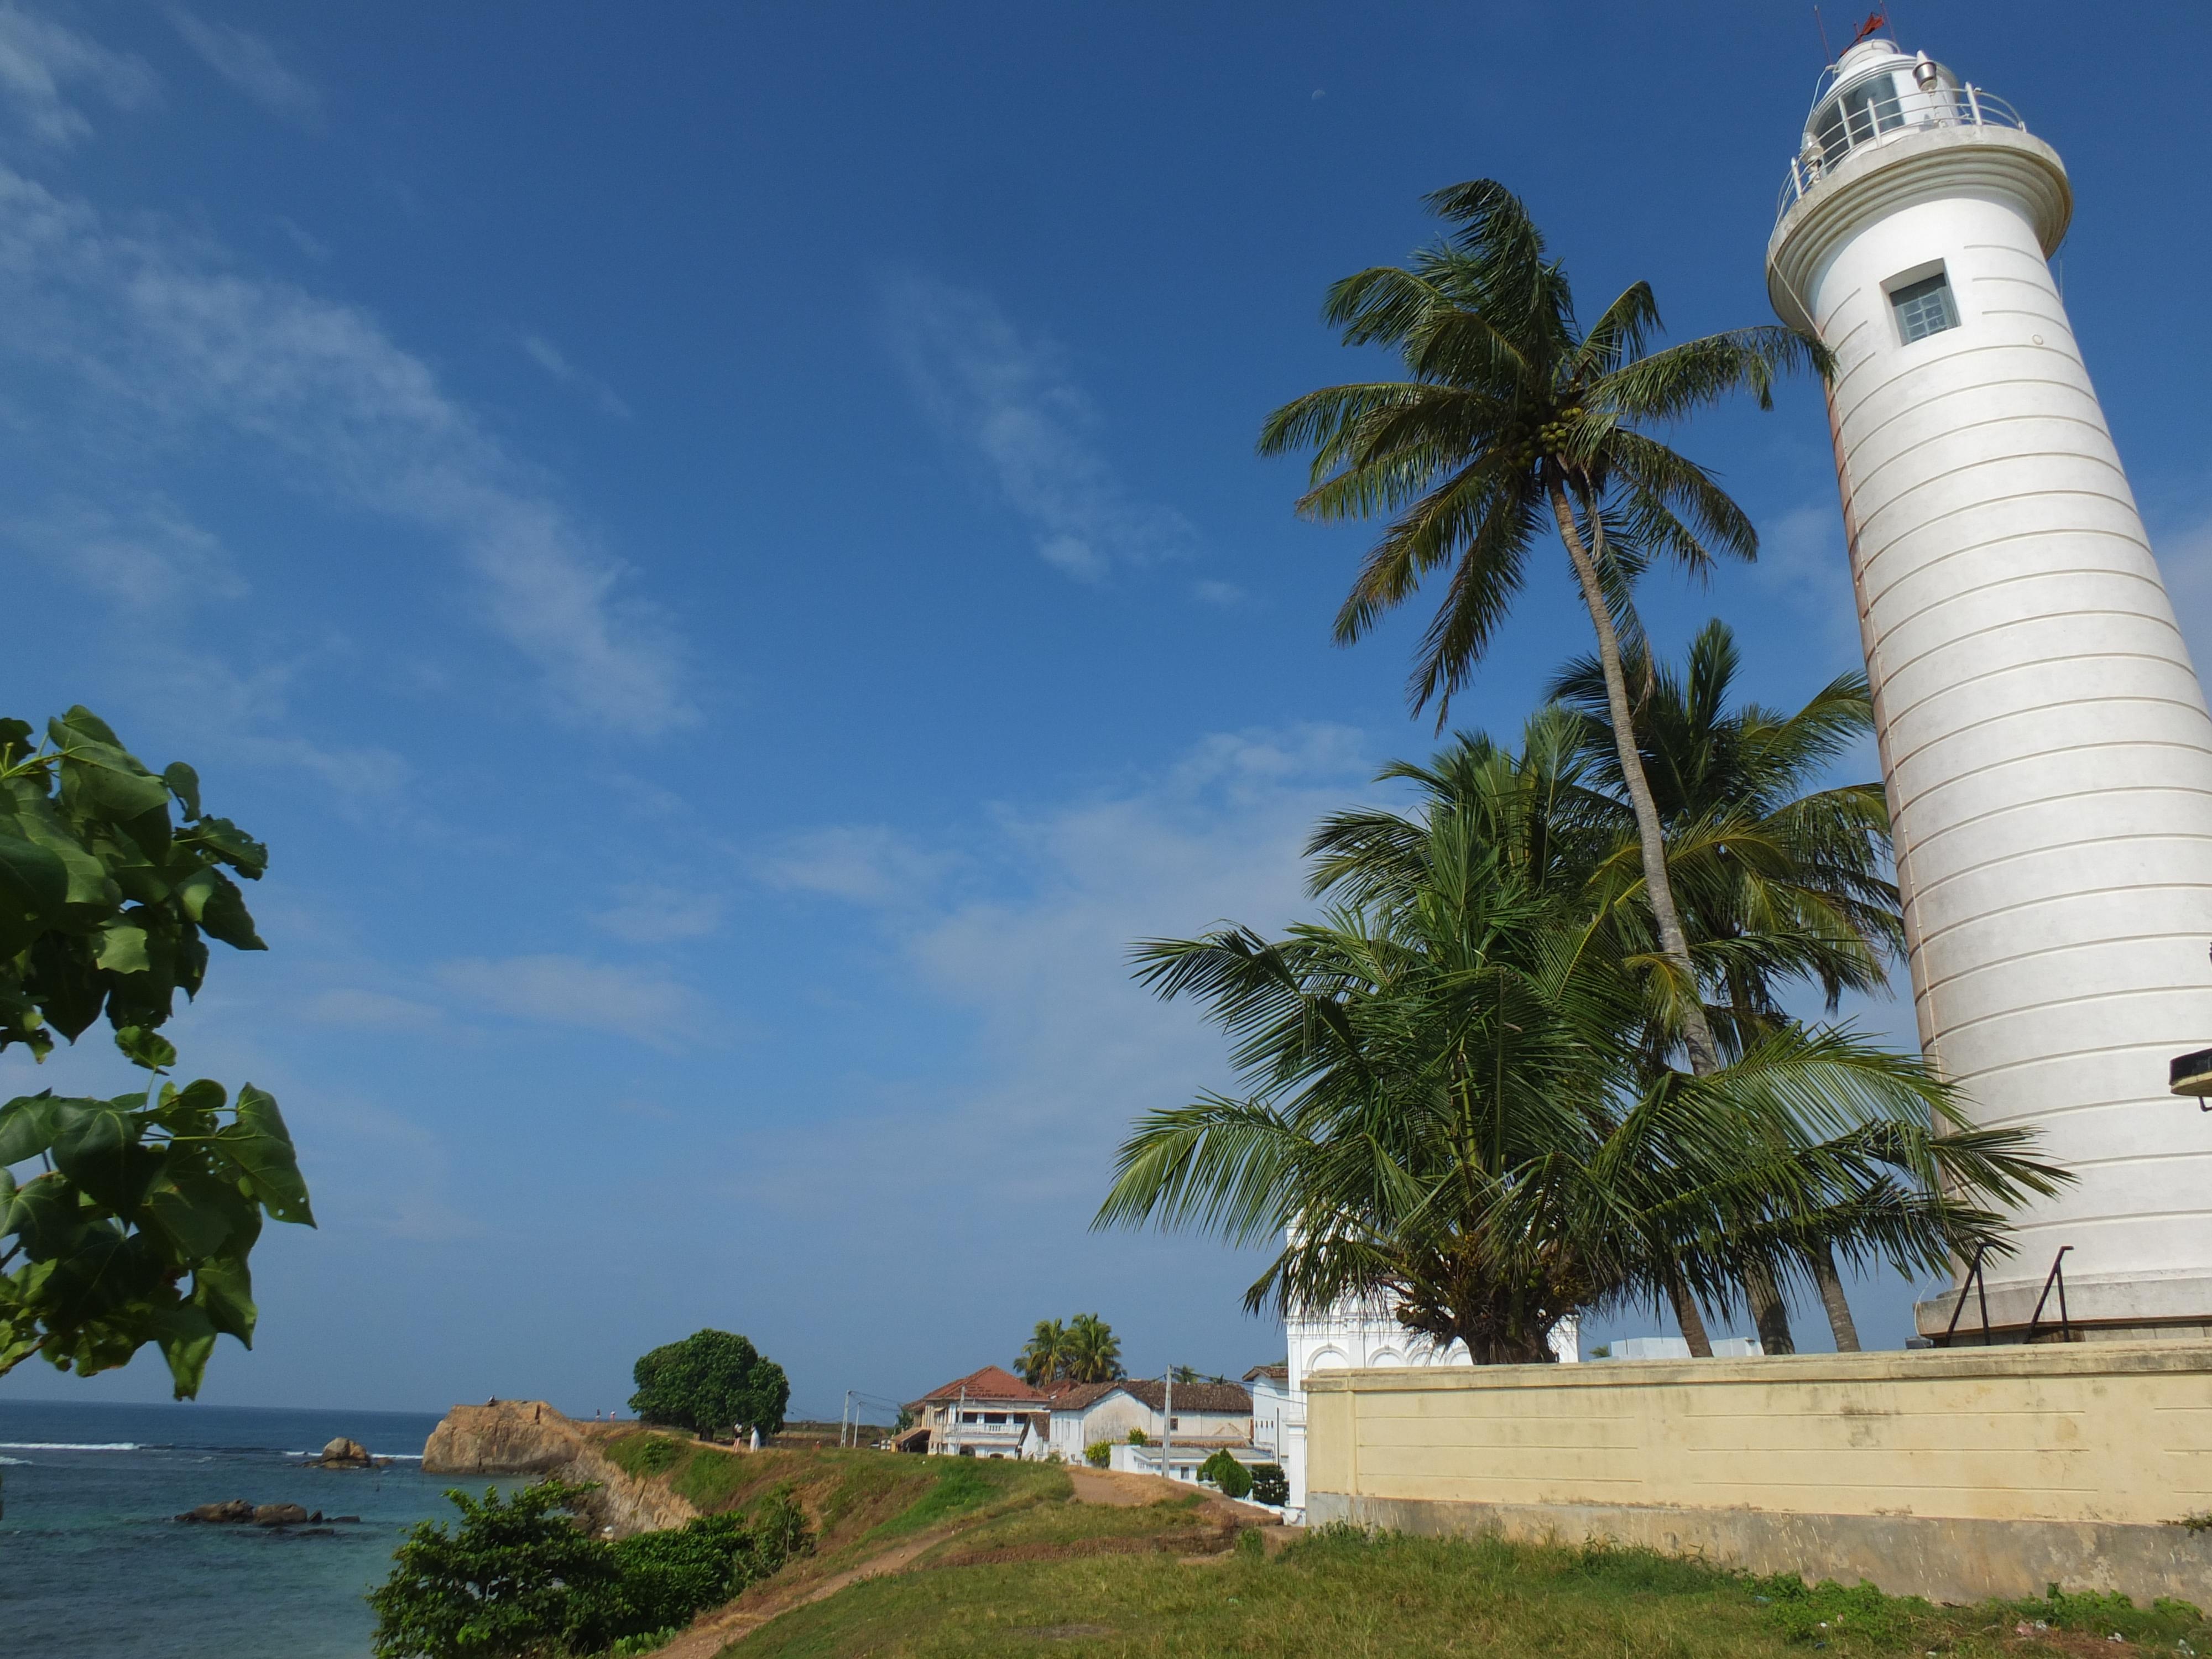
1879 120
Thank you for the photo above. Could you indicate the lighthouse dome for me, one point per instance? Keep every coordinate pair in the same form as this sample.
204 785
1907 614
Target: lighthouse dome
1874 90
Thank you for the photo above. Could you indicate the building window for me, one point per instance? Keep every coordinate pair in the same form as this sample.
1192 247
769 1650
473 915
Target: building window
994 1417
1175 1422
1924 308
967 1417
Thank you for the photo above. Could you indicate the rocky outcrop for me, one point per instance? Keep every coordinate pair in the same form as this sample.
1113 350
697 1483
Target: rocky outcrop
239 1513
344 1453
528 1437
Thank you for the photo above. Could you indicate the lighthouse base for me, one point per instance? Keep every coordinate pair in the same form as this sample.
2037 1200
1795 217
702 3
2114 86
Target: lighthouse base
2145 1308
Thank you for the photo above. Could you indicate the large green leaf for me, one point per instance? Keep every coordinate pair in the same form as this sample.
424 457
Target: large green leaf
231 845
187 1335
143 1047
202 1214
31 876
185 784
263 1147
223 1290
100 1144
98 773
122 948
223 914
27 1126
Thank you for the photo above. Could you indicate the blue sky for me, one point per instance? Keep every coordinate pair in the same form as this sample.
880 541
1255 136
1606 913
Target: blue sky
721 547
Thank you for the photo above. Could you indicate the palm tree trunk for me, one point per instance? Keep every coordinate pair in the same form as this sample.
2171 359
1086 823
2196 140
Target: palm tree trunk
1769 1312
1673 944
1692 1322
1832 1298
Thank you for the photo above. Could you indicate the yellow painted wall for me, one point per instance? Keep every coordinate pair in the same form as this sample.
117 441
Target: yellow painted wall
2111 1432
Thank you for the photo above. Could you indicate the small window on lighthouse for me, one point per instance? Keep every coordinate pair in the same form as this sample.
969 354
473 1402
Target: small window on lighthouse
1924 307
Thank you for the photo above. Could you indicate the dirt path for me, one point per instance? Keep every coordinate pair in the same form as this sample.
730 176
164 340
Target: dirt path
717 1630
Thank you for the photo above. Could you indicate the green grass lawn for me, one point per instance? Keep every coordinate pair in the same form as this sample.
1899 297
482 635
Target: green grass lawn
1348 1597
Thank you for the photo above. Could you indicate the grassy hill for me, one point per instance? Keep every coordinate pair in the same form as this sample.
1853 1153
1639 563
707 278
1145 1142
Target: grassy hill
933 1558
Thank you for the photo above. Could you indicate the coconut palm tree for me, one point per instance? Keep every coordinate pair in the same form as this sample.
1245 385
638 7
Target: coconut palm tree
1512 415
1094 1353
1447 1105
1788 883
1044 1357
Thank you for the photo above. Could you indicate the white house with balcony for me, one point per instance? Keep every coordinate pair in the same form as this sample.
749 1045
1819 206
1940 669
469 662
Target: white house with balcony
989 1413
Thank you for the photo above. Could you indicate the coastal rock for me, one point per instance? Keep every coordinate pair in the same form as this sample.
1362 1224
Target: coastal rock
528 1437
280 1515
236 1513
344 1453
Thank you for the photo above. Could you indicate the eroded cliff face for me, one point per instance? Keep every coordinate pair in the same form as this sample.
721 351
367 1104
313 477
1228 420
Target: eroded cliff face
529 1437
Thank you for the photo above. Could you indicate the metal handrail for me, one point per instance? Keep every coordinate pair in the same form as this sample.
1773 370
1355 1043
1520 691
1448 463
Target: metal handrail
1907 113
1974 1281
2057 1276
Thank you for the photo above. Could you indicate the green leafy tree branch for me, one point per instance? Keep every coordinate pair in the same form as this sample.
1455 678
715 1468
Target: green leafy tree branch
124 1221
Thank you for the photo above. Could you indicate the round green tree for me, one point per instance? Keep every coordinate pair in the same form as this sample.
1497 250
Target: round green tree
709 1381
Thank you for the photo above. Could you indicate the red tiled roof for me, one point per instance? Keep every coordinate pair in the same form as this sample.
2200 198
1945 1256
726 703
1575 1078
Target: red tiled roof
1077 1396
992 1383
1281 1372
1232 1397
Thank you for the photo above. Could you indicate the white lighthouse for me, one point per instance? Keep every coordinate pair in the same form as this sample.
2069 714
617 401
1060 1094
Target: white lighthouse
2044 737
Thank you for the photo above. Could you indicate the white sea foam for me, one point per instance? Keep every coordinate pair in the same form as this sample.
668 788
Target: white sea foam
63 1445
14 1462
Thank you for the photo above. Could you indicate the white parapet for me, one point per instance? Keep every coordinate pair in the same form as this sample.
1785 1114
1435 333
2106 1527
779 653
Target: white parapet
2044 736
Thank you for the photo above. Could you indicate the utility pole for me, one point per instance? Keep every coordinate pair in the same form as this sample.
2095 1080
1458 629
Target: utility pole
1167 1428
843 1420
959 1416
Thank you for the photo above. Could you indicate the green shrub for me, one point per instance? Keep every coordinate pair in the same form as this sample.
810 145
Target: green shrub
1225 1472
521 1577
1270 1485
1137 1437
510 1579
1098 1453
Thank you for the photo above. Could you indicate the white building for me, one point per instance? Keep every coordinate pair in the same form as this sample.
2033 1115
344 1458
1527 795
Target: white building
2044 737
1204 1416
990 1412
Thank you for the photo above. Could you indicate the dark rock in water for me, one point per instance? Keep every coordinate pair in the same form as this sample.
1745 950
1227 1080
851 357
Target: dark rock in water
344 1453
347 1520
319 1531
279 1515
236 1513
316 1518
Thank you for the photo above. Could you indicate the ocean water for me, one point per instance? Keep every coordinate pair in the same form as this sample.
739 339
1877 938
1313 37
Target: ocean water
93 1565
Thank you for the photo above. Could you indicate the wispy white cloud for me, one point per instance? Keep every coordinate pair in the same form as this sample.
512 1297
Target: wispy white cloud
864 863
43 63
640 1002
1071 1047
1008 399
151 557
649 914
1223 594
249 62
375 1011
550 358
163 338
